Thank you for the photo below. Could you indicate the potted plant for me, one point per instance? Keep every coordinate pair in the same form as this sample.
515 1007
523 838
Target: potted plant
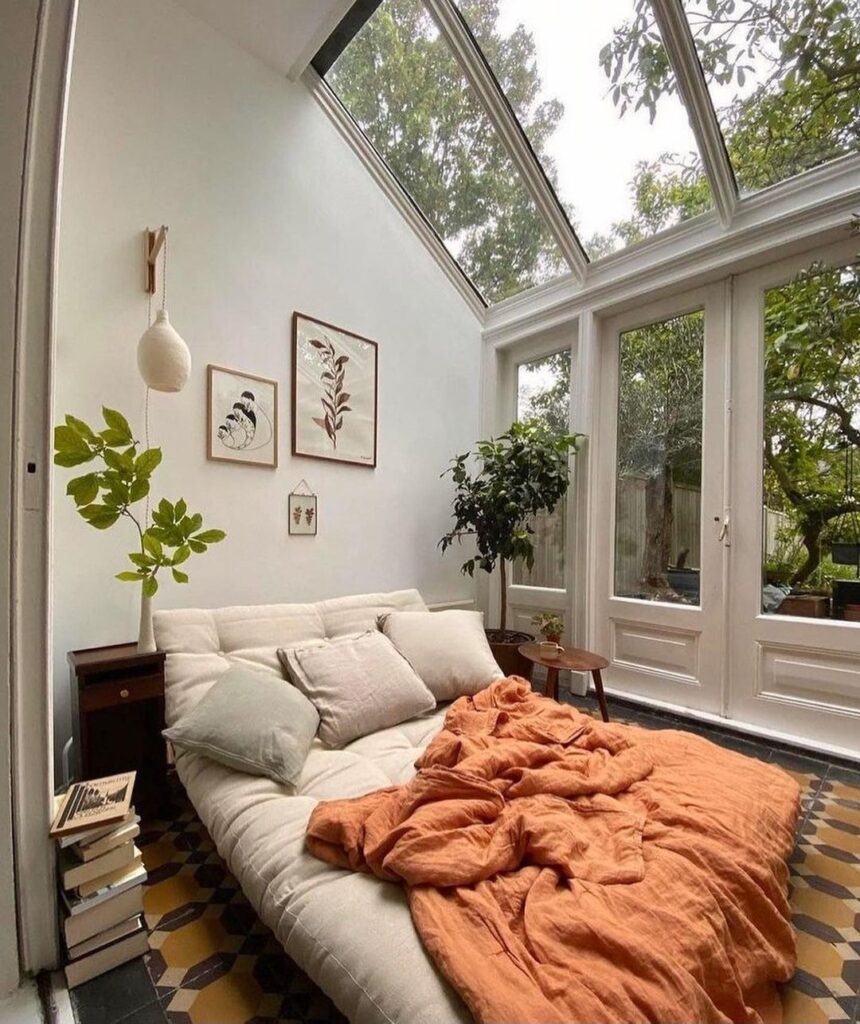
500 487
108 494
549 625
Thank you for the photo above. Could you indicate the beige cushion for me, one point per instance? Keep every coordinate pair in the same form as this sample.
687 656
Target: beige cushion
253 723
357 684
201 643
448 650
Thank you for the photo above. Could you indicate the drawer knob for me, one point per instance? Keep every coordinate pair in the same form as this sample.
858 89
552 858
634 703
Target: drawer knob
123 693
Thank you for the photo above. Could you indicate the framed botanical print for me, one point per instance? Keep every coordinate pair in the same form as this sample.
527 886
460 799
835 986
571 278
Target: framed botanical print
303 515
243 418
335 393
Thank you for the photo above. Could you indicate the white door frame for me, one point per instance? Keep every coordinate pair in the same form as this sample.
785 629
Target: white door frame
530 599
37 189
660 652
797 677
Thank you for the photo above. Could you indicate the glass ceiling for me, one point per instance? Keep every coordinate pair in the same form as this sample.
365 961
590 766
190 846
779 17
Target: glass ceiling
607 157
594 90
401 83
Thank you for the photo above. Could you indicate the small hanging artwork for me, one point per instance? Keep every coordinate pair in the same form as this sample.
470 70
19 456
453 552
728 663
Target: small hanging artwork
243 418
303 511
334 393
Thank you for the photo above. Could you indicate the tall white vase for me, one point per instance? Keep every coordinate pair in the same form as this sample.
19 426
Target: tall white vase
145 637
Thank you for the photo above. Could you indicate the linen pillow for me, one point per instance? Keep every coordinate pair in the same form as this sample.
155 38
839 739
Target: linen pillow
251 722
357 684
447 649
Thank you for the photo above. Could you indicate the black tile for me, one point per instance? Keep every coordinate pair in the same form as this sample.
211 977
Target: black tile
113 996
799 762
152 1013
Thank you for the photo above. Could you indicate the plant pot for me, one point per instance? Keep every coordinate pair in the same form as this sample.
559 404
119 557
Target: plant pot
845 554
552 638
504 644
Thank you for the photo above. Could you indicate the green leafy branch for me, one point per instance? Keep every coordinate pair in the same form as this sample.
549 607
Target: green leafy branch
106 495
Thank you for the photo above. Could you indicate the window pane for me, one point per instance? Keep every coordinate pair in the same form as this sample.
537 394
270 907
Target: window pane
785 79
811 513
659 461
623 158
543 393
400 81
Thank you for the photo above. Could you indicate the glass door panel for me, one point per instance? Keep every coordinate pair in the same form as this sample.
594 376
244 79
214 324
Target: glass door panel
659 461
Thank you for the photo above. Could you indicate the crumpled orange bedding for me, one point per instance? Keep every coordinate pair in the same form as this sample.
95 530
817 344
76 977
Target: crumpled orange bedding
561 869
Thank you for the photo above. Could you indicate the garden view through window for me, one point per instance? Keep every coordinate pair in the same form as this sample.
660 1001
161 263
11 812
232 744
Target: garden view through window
659 461
596 94
543 393
811 449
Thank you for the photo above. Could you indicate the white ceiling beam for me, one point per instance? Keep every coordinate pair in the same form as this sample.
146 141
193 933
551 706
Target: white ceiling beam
387 181
511 135
678 40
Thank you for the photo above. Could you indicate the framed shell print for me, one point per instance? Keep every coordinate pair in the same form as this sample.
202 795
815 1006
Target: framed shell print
243 418
335 393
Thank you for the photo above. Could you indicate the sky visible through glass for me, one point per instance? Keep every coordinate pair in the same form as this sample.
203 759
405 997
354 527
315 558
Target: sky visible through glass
594 149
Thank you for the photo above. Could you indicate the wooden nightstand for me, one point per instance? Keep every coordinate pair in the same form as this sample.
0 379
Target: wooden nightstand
117 718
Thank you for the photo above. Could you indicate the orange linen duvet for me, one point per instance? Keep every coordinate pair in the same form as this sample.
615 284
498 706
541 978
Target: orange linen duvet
561 869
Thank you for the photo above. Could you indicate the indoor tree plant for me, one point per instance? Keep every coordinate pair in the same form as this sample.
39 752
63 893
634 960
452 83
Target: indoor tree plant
108 493
500 487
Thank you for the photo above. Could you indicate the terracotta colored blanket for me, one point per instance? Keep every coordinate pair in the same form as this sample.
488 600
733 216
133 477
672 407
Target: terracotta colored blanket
559 869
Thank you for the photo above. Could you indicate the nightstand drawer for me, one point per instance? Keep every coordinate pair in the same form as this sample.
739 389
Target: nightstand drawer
123 691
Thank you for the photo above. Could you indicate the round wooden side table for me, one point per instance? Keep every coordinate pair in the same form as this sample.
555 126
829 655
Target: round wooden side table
576 660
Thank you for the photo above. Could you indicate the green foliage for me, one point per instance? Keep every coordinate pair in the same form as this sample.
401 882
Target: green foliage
514 476
106 494
812 402
548 624
803 108
401 83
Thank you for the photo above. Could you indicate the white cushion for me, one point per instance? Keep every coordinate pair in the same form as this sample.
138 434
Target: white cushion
201 644
447 649
358 685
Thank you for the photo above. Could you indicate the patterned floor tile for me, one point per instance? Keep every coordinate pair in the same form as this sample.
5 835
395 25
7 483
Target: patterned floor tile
213 962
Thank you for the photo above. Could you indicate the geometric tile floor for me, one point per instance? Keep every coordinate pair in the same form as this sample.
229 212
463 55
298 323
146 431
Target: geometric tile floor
213 962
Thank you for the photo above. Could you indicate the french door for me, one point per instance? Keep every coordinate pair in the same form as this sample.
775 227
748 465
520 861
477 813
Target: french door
661 514
795 653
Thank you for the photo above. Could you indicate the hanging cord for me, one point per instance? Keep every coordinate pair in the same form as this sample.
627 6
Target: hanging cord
164 275
148 325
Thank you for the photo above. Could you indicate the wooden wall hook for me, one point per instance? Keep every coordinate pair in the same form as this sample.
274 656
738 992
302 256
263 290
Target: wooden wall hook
152 243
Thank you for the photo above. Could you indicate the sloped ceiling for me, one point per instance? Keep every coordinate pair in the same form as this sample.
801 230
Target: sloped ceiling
285 34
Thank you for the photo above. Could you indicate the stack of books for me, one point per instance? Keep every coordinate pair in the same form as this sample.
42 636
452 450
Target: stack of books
101 876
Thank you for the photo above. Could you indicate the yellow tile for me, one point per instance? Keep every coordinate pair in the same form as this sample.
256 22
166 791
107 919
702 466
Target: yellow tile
822 906
833 870
232 999
173 892
839 838
848 814
156 854
818 958
799 1008
197 941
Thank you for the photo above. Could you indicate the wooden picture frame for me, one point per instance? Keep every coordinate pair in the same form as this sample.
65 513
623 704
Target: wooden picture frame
335 393
242 417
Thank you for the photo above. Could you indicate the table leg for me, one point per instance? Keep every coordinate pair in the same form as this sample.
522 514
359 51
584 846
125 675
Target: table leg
601 697
552 683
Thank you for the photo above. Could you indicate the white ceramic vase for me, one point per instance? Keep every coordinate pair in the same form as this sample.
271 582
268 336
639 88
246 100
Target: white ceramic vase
145 636
163 357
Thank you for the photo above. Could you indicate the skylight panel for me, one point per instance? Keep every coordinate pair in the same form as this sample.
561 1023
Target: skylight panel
785 79
621 155
401 83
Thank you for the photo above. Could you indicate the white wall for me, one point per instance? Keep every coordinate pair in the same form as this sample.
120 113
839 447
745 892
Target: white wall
269 211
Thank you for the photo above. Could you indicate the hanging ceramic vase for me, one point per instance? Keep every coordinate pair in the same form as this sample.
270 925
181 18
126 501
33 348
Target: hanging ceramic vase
163 357
145 637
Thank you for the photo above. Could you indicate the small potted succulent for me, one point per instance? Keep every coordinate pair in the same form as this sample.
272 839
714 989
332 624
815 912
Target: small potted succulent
549 625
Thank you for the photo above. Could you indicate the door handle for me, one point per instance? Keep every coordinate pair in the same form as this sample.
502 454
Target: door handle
723 536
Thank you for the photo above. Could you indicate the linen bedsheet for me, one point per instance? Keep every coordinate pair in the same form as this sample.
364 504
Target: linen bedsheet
559 869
